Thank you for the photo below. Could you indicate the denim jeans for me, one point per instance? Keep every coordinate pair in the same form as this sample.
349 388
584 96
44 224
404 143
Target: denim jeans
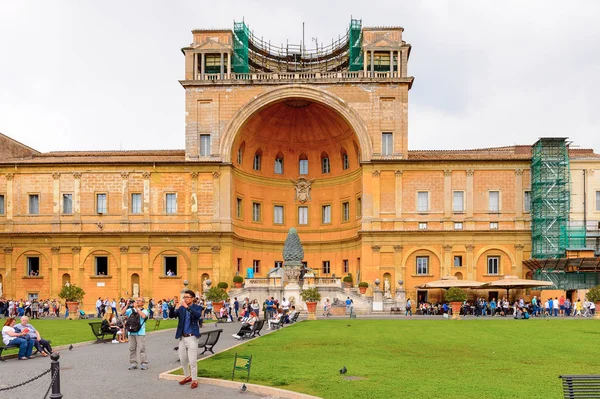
25 346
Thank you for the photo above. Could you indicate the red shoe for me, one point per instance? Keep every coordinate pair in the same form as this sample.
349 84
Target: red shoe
194 384
185 380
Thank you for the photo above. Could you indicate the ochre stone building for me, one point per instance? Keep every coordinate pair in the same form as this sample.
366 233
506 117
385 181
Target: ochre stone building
275 138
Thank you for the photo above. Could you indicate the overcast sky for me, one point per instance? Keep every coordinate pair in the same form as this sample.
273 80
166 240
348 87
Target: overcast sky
98 75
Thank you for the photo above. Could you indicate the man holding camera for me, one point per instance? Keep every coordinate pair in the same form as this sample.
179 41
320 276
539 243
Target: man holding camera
188 332
137 339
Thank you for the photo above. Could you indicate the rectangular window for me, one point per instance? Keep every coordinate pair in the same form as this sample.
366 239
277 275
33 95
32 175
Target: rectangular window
493 225
101 203
305 264
326 267
239 265
325 167
422 201
387 143
34 204
136 203
345 266
359 207
67 207
494 201
458 226
278 166
458 201
239 207
278 214
255 212
303 166
2 205
458 261
170 265
302 215
345 211
171 203
345 162
422 264
326 213
422 225
278 264
598 200
240 156
256 265
493 263
205 145
33 266
527 201
256 164
101 265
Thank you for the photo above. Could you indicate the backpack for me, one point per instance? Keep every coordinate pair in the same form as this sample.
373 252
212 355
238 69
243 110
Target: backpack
132 324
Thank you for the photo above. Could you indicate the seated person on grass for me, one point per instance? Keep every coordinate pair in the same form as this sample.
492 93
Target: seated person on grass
41 345
246 326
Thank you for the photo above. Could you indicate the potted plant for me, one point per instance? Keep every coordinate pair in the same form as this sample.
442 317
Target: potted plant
362 286
456 297
72 295
223 285
593 295
238 281
311 296
347 281
217 296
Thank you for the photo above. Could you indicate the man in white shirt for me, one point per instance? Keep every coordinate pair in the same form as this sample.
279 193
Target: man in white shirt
285 305
99 307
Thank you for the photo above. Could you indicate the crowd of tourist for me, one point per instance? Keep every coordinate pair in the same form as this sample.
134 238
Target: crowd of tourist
33 308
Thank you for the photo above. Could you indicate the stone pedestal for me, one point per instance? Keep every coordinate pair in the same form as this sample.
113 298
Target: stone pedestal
377 300
401 298
292 293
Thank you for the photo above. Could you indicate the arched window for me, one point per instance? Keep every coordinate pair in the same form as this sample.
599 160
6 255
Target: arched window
279 163
240 153
325 165
257 159
345 159
357 151
303 165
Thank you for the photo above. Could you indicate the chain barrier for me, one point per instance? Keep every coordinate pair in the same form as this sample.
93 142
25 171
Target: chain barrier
25 382
51 384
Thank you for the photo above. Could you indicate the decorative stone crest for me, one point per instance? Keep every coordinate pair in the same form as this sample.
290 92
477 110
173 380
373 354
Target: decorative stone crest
470 172
56 176
448 248
100 226
398 248
146 175
194 175
77 175
302 189
469 247
216 249
8 250
145 249
376 173
590 172
9 176
519 172
375 248
124 249
76 250
448 173
55 250
216 175
398 173
125 175
519 247
194 249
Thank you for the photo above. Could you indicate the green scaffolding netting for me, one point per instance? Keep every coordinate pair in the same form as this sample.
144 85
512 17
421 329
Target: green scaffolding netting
567 281
241 33
355 42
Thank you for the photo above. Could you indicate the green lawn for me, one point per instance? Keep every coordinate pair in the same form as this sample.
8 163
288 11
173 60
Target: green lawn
420 358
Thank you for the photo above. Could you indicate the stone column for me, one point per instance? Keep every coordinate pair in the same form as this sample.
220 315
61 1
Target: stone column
377 298
372 63
391 63
376 194
447 260
55 201
75 275
53 280
217 199
147 270
125 201
448 200
365 62
146 200
229 65
222 69
216 263
399 194
202 66
77 199
9 204
517 268
470 224
122 272
193 278
398 266
471 268
194 202
400 63
10 275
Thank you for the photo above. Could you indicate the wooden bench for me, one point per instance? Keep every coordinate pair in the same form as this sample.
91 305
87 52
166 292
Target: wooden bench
4 347
98 333
581 386
208 340
255 330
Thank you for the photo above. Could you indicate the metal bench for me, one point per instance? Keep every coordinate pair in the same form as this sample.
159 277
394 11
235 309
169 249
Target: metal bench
98 333
4 347
255 330
208 340
294 318
581 386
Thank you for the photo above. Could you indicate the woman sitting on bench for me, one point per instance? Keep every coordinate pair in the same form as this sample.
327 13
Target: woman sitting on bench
13 338
108 327
247 326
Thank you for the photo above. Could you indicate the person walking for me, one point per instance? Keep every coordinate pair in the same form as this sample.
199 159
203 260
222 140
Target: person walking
137 339
408 308
188 332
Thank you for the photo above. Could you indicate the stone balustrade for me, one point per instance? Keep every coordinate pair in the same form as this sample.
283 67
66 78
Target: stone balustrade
282 77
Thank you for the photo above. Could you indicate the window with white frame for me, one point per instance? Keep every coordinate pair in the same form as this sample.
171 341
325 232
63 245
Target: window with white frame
2 204
239 208
67 204
136 203
171 203
278 214
345 211
278 264
326 267
240 153
326 213
239 265
458 225
387 143
33 265
205 145
257 160
34 204
494 201
325 166
527 201
256 265
598 200
422 225
422 264
358 207
303 165
256 212
493 265
302 215
422 201
279 164
458 261
458 201
493 225
101 203
345 160
345 266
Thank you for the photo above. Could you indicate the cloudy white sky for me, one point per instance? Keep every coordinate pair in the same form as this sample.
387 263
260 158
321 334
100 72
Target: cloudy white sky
102 75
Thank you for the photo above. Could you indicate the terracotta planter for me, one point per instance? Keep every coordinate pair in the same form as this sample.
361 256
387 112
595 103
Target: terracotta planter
217 306
363 289
238 285
597 315
456 309
73 309
347 285
311 307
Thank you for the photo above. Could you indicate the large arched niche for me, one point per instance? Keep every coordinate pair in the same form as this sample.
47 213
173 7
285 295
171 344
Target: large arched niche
339 113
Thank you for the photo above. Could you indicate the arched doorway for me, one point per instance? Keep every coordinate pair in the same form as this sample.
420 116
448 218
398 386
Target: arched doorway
458 275
135 285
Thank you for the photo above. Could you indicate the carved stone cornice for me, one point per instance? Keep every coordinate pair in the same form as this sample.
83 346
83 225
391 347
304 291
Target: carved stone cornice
146 175
519 172
375 248
469 247
124 249
194 175
519 247
8 250
125 175
590 172
398 173
216 249
9 176
55 250
376 173
216 175
398 248
76 250
194 249
56 176
470 172
447 248
447 173
145 249
77 175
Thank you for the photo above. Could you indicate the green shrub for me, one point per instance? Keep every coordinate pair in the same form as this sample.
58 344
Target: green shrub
216 294
71 293
455 294
238 279
593 294
363 284
310 295
348 278
223 285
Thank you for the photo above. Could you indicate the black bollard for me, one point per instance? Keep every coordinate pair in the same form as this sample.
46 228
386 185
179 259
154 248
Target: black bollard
55 371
